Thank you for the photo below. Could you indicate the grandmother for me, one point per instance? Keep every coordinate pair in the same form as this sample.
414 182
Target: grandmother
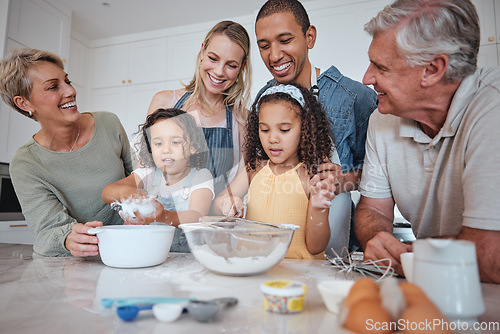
59 174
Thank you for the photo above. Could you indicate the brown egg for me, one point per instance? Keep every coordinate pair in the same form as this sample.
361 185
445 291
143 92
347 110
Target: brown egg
365 283
423 319
363 288
358 295
368 316
414 295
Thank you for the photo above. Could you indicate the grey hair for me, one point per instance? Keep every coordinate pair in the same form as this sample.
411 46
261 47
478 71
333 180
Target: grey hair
14 79
426 28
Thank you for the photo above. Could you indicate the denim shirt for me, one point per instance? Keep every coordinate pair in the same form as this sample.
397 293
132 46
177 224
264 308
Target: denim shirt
348 105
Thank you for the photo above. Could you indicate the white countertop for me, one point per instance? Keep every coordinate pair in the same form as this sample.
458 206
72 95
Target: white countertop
62 295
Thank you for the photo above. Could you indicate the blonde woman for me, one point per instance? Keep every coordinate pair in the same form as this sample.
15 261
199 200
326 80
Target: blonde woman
217 97
59 174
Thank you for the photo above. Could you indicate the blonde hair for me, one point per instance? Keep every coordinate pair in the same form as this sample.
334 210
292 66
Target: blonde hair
238 95
13 74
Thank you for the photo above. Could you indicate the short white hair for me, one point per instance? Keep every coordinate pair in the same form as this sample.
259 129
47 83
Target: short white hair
426 28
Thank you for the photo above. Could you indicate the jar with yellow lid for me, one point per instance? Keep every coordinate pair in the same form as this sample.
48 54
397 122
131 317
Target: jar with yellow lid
283 296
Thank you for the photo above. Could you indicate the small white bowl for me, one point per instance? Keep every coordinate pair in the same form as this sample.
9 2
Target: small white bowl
333 293
167 312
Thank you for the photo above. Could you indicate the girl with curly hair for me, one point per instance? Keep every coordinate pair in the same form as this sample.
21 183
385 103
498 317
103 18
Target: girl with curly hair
287 138
169 186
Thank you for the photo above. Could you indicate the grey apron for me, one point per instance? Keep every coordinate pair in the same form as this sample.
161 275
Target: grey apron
220 146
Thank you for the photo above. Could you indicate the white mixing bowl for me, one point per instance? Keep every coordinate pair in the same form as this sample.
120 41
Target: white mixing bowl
134 246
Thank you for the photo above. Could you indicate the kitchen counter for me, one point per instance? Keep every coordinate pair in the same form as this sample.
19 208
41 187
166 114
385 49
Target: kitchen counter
62 295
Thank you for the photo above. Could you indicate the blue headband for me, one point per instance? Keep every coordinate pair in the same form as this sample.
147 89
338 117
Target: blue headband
293 91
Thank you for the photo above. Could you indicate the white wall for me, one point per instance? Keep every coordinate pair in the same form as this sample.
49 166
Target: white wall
4 10
341 41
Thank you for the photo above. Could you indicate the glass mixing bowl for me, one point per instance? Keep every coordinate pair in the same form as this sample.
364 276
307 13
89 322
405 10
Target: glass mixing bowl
236 246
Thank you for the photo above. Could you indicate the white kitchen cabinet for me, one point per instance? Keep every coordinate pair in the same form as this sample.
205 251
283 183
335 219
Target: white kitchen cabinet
110 66
77 69
129 103
16 232
488 55
346 48
489 20
77 63
4 18
37 24
5 112
486 12
182 52
125 78
15 129
497 18
132 63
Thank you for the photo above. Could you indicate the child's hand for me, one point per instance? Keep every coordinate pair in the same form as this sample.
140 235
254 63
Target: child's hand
127 219
140 209
232 207
157 215
322 192
331 173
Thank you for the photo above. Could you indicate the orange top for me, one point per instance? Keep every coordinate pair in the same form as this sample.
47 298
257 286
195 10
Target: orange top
281 199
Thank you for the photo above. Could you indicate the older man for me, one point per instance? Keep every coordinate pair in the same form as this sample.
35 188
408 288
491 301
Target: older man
429 146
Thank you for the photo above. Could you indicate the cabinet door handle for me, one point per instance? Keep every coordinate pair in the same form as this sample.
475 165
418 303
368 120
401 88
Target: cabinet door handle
129 81
123 81
18 225
491 39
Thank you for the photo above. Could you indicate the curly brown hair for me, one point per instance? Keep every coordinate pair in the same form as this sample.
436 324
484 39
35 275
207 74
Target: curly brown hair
193 134
316 139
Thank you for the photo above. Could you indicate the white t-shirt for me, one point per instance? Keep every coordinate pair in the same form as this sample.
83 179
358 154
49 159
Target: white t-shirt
180 191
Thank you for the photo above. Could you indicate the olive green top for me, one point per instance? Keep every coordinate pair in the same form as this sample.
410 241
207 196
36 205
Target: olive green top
58 189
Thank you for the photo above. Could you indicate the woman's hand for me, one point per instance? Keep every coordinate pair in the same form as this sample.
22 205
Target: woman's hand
80 243
322 192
